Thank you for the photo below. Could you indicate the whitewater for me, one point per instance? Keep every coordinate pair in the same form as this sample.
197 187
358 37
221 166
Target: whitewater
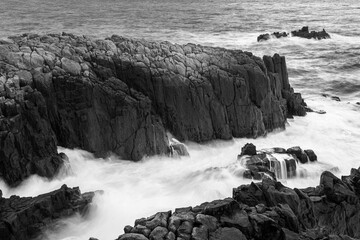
133 190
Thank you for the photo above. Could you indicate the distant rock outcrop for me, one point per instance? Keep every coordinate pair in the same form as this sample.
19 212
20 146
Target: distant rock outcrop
265 210
122 95
273 163
302 33
24 218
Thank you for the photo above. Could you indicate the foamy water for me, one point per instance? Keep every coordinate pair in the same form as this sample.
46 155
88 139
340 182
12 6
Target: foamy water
133 190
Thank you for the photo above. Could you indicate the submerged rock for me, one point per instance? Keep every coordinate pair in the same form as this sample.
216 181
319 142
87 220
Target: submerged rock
303 33
269 210
24 218
122 95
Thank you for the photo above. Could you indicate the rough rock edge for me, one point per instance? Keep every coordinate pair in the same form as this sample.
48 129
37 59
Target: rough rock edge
265 210
23 218
122 95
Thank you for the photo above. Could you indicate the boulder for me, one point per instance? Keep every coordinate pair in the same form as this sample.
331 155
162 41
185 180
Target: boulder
299 153
304 33
248 149
23 218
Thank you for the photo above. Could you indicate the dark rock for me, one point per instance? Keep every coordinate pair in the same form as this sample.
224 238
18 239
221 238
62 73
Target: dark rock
159 233
304 33
248 149
26 217
311 155
335 98
121 95
132 236
227 234
269 210
299 153
177 148
267 36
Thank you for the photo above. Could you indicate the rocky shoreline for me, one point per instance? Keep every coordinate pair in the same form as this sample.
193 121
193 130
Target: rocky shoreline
123 95
24 218
264 210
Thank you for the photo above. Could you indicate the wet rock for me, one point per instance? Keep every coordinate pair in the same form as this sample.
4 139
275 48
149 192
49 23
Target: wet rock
24 218
304 33
248 149
177 148
311 155
332 97
267 36
299 153
121 95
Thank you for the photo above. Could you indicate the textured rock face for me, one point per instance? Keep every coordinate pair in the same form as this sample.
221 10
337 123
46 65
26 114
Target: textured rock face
122 95
266 210
24 218
273 163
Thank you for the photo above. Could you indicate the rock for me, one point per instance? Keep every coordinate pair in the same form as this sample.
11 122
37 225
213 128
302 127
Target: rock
210 222
158 233
227 234
311 155
267 36
122 95
274 163
299 153
25 217
158 220
132 236
177 148
248 149
335 98
304 33
200 233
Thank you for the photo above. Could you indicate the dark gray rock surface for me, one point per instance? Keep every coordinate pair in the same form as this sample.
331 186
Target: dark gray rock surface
24 218
121 95
265 210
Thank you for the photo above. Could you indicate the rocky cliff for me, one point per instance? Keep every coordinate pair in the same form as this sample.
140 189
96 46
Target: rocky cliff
122 95
24 218
264 210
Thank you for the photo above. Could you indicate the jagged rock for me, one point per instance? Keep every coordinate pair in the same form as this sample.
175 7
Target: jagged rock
274 163
299 153
269 210
177 148
335 98
311 155
132 236
304 33
23 218
267 36
122 95
248 149
227 234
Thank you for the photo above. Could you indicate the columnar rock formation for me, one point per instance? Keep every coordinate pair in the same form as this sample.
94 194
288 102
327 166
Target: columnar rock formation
25 218
122 95
265 210
274 163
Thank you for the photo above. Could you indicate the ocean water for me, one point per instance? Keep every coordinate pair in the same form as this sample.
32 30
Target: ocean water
134 190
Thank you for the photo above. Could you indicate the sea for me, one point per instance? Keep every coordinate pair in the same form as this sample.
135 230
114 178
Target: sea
132 190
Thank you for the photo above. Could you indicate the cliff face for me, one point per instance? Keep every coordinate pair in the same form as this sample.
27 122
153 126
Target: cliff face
264 210
121 95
